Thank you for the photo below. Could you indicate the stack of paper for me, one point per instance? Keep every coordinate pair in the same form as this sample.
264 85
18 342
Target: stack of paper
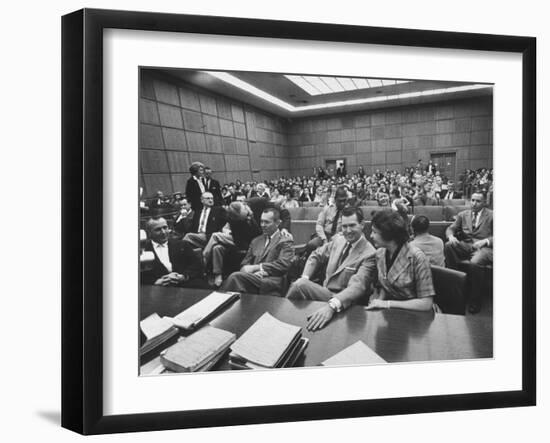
199 351
356 354
157 330
204 309
268 343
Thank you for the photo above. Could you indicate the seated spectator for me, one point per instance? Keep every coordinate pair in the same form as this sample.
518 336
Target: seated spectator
320 196
329 221
258 205
383 199
450 193
471 238
267 260
230 195
143 208
183 221
342 257
160 201
276 197
430 245
289 202
177 198
399 273
241 229
174 263
306 196
260 191
206 221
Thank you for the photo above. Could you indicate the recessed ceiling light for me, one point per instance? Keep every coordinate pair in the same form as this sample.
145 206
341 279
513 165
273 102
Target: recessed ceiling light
232 80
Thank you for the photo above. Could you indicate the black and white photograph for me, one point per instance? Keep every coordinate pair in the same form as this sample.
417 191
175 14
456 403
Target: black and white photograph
292 220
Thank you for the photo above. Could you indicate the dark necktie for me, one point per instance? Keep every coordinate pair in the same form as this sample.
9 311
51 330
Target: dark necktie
267 241
345 253
335 222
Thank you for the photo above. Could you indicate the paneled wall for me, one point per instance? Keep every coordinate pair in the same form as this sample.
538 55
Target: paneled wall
180 124
396 138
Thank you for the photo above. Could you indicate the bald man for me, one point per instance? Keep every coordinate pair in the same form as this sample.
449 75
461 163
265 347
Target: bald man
206 221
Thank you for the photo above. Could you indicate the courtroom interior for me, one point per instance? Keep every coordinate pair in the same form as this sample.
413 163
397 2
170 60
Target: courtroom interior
339 205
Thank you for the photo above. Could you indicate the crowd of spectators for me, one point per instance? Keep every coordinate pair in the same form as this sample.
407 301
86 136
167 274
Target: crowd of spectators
215 222
416 185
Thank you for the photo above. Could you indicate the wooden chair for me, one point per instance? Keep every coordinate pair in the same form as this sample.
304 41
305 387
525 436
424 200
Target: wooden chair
450 287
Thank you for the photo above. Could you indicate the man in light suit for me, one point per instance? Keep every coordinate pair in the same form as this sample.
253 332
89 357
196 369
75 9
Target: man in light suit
471 238
342 256
267 261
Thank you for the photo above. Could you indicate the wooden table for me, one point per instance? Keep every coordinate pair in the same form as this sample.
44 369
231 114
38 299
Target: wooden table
396 335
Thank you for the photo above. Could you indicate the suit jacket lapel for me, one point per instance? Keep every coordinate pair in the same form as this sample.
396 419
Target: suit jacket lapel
352 254
272 242
332 267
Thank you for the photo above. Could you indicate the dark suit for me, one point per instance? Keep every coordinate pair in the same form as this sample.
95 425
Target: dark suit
214 187
181 258
275 260
463 229
214 223
455 195
193 194
183 225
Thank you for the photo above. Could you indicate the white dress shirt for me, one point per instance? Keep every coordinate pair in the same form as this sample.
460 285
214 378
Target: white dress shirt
203 219
161 249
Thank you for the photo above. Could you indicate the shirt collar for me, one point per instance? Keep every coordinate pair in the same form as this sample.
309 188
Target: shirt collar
159 245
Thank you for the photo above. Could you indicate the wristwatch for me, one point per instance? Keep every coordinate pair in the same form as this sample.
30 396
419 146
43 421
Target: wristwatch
335 304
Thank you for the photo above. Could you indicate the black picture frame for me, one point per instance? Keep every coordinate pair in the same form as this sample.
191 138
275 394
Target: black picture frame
82 218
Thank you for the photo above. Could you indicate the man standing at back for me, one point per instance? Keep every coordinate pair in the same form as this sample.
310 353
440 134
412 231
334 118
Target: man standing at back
213 186
342 257
267 261
471 238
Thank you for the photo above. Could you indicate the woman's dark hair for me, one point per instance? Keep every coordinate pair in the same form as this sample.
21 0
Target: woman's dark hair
391 226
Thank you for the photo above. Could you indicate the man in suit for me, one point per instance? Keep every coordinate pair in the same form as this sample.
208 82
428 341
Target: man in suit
267 261
213 186
450 193
329 221
160 202
224 249
258 205
206 221
342 257
471 238
195 186
174 264
183 221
